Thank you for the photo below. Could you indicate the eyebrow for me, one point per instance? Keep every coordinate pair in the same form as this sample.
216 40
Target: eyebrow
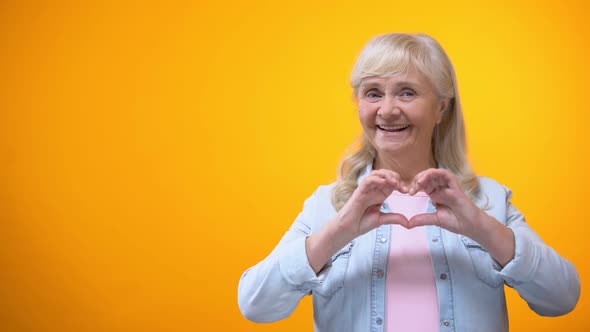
377 84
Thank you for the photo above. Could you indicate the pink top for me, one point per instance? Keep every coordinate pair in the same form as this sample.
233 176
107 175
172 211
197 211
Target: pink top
412 301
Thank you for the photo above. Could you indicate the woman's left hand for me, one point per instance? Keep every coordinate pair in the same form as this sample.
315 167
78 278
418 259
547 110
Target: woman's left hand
455 211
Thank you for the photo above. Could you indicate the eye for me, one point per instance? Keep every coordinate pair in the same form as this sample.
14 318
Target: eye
372 95
407 94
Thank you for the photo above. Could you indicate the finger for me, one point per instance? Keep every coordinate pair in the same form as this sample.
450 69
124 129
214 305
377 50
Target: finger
442 187
393 179
374 190
421 181
423 219
445 179
414 186
397 179
373 181
369 185
402 188
433 181
393 219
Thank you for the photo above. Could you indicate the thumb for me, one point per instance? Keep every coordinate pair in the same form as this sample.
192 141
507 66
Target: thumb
423 219
393 218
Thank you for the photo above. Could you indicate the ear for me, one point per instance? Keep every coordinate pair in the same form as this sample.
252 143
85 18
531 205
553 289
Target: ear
444 104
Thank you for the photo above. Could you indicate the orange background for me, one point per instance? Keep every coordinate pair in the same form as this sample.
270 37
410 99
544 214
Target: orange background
150 152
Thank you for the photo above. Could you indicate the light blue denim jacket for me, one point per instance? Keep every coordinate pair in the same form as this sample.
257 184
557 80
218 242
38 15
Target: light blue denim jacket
349 294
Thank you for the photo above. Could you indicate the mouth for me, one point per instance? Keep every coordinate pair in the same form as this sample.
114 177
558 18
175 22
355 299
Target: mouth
393 129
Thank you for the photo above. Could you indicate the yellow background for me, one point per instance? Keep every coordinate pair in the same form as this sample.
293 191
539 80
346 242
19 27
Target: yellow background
150 152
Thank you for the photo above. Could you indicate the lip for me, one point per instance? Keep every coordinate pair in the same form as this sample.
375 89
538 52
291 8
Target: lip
393 128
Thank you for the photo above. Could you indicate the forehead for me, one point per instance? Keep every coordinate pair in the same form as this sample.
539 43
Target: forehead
409 77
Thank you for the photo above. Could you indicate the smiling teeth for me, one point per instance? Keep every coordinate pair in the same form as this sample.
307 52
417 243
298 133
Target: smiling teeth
394 127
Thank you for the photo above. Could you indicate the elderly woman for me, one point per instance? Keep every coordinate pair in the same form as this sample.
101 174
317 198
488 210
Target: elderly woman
409 238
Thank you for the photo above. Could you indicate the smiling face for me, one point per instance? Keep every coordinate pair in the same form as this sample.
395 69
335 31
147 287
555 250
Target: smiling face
399 113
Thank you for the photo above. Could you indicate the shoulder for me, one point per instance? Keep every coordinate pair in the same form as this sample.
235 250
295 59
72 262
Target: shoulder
494 196
325 189
320 202
318 208
322 196
491 186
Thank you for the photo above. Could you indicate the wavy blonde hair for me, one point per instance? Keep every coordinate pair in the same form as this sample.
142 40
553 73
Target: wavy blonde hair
395 53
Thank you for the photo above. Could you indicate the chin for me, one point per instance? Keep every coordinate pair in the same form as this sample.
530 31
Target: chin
390 149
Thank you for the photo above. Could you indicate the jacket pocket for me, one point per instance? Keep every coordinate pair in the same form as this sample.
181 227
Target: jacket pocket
483 264
333 274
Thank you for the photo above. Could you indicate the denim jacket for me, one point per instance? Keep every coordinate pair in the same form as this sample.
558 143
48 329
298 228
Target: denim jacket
349 292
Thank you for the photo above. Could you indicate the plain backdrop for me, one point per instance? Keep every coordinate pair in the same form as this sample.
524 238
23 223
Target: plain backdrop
152 151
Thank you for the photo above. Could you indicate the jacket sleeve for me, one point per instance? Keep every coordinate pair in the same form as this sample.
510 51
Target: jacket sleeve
271 290
549 283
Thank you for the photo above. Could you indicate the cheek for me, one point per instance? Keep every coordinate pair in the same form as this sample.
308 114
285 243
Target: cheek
367 108
365 114
425 115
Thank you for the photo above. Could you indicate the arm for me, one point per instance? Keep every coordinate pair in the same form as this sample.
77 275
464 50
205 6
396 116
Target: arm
272 289
549 283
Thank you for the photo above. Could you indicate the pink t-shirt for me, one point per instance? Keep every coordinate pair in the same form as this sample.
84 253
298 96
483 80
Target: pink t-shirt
412 301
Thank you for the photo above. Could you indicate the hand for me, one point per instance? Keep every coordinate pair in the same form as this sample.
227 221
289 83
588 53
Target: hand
455 211
362 212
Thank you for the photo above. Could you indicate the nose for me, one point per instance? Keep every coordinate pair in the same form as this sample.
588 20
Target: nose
389 108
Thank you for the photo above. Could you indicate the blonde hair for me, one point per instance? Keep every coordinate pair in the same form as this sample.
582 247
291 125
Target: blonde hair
390 54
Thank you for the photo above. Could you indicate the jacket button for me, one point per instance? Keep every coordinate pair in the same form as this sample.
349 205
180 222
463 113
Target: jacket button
446 323
443 276
435 239
380 274
379 321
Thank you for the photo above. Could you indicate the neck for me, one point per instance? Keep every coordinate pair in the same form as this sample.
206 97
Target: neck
407 166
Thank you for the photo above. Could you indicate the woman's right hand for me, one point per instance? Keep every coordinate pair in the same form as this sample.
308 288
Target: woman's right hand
361 214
